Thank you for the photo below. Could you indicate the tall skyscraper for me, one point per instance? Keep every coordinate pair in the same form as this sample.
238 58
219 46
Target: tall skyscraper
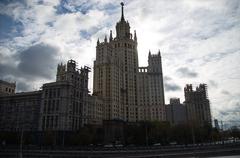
129 92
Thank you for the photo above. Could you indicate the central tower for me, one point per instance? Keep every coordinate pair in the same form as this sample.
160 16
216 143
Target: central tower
128 93
115 71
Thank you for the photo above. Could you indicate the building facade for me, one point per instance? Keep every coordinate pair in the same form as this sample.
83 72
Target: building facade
176 112
150 90
63 105
7 88
20 111
66 102
118 79
197 104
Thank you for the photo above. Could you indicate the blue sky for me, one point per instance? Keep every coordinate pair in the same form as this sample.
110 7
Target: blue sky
199 41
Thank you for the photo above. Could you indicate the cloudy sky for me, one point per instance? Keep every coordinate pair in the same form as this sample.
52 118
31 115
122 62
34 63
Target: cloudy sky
199 42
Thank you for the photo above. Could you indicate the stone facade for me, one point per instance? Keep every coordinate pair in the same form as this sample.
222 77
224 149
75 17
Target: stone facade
7 88
176 112
151 90
118 81
96 110
197 104
20 111
63 105
66 102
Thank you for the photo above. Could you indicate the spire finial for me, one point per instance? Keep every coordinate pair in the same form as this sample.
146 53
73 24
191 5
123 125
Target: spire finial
98 41
105 39
110 37
135 35
122 4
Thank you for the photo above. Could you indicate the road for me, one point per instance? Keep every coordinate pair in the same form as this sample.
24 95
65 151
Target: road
136 152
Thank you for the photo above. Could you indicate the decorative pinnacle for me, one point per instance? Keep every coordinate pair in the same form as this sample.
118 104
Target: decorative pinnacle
98 41
135 35
122 4
110 37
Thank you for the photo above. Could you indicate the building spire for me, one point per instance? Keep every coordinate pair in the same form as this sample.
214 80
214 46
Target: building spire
122 17
110 37
135 35
98 41
105 39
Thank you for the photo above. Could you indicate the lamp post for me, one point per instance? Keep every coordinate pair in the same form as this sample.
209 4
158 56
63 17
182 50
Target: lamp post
21 144
146 132
21 136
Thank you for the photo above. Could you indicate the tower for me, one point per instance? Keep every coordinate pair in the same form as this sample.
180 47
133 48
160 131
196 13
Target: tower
150 90
115 71
116 77
156 88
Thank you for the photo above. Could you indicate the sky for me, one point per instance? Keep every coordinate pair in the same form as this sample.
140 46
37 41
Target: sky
199 42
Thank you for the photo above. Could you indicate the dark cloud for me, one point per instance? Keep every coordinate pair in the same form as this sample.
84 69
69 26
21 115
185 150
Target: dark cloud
167 78
216 56
213 84
186 72
38 61
171 87
224 113
225 92
8 70
22 86
232 109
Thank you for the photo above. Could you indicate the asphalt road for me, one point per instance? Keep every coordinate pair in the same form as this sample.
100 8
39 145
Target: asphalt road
137 152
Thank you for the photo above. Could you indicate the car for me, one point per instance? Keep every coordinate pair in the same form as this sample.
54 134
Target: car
118 145
173 143
108 146
157 144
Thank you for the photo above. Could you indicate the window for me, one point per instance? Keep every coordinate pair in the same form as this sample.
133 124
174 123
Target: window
58 92
53 105
56 121
57 105
45 106
47 122
49 105
54 93
43 123
50 93
46 93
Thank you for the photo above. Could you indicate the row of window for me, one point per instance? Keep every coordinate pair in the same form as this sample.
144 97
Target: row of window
49 122
51 106
52 93
9 90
